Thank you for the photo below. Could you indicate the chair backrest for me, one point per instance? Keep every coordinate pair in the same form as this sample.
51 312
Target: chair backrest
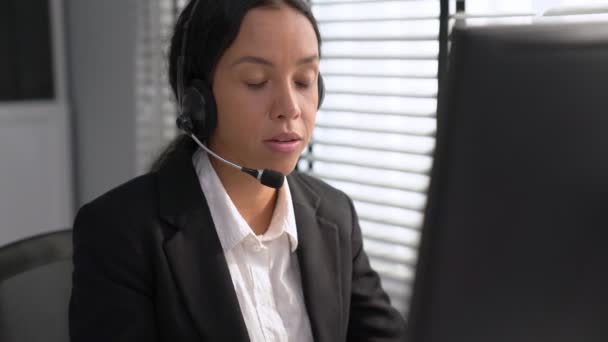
514 241
35 285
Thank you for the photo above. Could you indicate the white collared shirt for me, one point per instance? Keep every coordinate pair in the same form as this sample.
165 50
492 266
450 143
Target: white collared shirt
264 269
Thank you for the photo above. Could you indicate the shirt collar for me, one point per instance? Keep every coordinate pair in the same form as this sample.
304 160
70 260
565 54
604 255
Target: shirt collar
230 226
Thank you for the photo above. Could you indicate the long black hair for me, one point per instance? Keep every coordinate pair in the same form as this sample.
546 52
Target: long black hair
213 28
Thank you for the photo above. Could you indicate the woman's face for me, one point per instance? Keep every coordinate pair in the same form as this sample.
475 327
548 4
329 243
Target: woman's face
265 87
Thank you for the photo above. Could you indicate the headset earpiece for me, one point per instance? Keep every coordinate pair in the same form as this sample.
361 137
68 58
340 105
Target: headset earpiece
321 87
198 104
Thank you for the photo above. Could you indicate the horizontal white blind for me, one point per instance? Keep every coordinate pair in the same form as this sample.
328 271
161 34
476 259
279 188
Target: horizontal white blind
155 105
375 131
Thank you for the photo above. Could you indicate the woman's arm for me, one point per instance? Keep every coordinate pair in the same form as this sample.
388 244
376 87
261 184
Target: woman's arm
372 318
111 283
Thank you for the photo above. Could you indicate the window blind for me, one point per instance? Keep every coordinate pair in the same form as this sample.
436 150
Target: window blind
375 131
155 105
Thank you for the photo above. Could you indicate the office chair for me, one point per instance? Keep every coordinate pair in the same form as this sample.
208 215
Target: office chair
514 246
35 285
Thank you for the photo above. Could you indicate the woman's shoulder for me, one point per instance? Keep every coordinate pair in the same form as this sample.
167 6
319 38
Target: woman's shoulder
119 229
122 210
135 194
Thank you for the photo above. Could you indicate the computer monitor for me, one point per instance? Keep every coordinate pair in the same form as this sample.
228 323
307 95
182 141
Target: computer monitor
515 241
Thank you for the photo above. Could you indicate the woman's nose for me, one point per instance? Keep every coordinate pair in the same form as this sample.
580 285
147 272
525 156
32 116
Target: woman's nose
285 103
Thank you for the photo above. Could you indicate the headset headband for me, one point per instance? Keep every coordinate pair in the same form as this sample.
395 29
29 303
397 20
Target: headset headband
182 57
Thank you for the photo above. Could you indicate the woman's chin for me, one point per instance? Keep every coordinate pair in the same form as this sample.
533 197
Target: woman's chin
284 166
285 169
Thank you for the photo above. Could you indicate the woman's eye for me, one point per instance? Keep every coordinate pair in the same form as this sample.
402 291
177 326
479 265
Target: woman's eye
303 85
255 86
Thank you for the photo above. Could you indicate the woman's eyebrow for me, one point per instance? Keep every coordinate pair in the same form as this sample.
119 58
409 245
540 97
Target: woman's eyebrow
263 61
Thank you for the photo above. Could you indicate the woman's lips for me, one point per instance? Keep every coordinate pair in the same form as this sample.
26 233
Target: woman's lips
283 146
286 142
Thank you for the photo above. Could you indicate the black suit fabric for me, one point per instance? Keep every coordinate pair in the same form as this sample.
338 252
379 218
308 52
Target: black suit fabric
149 266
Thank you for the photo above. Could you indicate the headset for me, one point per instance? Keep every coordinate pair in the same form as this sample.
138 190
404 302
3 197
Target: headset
198 112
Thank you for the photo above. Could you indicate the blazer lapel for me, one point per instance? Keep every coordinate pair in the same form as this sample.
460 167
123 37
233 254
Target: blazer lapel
195 255
319 259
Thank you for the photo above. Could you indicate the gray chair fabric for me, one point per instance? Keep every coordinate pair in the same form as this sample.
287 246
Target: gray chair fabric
35 285
514 244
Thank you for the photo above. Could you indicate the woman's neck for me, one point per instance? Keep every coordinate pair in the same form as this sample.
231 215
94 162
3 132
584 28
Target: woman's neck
254 201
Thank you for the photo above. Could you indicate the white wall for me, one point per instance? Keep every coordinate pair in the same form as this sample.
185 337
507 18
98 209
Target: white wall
101 36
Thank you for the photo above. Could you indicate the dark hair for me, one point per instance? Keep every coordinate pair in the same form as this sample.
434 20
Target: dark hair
213 28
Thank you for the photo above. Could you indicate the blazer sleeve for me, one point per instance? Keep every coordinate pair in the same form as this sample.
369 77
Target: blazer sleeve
372 318
111 296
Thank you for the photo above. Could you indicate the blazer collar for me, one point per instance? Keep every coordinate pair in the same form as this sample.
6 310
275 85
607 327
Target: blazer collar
196 257
320 265
195 254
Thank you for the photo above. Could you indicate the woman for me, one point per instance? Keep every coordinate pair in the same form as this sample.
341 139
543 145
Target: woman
196 250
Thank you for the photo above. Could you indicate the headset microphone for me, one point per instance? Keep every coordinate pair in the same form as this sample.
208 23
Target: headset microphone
267 177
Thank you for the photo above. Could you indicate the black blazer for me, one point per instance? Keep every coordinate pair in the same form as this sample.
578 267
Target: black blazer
148 266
